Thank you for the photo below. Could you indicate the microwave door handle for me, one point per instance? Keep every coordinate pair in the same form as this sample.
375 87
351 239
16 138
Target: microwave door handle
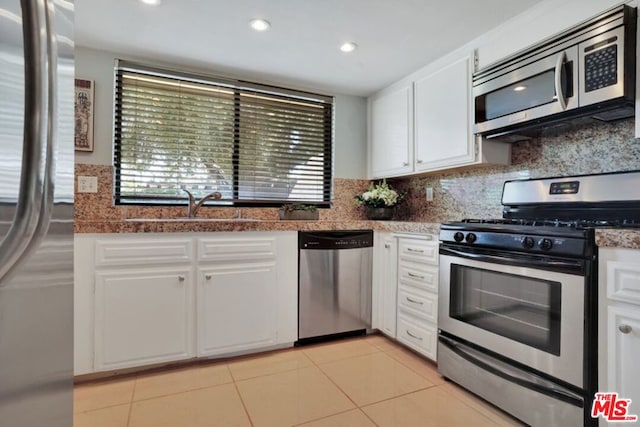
31 218
558 80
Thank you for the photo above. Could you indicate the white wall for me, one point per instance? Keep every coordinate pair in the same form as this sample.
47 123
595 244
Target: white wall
96 65
350 137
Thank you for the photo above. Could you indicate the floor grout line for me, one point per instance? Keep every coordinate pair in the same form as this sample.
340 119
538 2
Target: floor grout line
326 416
244 406
133 393
183 391
368 417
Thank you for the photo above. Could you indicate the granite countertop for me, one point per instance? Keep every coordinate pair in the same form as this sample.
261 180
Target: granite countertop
605 237
171 225
618 237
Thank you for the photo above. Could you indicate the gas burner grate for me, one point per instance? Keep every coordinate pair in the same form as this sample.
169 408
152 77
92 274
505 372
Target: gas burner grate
579 224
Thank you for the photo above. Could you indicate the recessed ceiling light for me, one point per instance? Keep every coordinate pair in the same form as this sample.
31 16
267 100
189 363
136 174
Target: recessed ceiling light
348 47
260 24
519 88
151 2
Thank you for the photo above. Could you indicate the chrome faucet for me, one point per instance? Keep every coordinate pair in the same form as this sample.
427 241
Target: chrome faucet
195 207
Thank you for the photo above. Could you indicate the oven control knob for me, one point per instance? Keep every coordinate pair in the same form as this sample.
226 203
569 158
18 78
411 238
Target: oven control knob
471 238
545 244
528 242
458 236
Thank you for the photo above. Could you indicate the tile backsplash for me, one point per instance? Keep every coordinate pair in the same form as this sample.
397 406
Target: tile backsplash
596 148
473 193
99 206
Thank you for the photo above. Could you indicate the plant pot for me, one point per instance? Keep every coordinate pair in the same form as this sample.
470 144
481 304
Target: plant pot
379 214
298 215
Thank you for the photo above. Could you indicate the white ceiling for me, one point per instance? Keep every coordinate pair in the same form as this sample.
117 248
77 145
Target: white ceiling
395 37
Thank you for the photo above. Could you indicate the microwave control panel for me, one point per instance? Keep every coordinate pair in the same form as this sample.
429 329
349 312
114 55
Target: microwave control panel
601 65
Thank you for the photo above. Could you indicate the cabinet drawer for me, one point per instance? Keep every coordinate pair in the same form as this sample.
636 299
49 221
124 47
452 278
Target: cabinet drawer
420 251
418 275
236 249
421 338
418 303
125 251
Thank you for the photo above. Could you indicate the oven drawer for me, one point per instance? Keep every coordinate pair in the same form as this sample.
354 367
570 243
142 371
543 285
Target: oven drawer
419 251
418 303
418 335
418 275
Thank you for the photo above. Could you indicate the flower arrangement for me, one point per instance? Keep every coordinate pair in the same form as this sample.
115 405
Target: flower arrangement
380 195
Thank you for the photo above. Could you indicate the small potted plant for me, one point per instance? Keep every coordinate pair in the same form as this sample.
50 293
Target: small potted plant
380 200
298 211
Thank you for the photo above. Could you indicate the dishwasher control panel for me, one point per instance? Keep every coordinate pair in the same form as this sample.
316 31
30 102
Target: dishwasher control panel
351 239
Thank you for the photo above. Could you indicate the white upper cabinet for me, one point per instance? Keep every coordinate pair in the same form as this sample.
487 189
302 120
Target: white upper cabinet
442 99
391 136
428 113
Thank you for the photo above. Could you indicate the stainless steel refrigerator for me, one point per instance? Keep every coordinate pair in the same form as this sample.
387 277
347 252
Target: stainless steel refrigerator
36 213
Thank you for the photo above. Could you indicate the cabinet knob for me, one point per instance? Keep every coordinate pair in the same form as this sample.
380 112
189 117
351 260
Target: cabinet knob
625 329
207 276
181 278
405 164
387 246
419 161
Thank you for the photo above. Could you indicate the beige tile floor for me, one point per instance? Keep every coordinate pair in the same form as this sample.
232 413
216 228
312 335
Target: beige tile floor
368 381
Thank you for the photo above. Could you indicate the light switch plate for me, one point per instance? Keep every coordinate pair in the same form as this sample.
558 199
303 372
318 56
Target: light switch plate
87 184
429 194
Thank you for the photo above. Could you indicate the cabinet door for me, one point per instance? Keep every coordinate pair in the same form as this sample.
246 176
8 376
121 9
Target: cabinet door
143 316
237 307
624 353
385 285
442 117
391 136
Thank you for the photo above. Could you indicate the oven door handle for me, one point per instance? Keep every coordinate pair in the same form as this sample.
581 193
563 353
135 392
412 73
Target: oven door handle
546 264
512 374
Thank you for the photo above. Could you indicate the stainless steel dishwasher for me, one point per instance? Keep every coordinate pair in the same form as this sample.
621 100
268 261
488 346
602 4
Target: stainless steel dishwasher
334 283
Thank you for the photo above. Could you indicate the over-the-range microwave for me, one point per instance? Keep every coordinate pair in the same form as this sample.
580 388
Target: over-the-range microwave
586 73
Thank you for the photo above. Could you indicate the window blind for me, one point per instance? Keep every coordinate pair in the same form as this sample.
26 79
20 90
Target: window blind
257 145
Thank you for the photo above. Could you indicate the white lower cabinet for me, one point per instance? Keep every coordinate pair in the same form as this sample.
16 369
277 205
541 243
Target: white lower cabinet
143 316
420 336
619 324
385 283
418 294
237 307
405 305
157 298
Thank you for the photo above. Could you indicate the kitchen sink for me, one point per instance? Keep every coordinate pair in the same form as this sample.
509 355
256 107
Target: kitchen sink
187 219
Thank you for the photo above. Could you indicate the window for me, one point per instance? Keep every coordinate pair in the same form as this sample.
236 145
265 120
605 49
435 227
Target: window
257 145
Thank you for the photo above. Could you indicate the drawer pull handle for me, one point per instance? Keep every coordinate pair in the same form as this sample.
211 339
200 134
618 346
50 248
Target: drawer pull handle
414 301
181 278
415 276
625 329
413 336
207 276
387 246
418 251
405 163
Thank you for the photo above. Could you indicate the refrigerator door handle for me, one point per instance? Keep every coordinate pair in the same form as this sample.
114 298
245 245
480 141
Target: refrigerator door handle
35 196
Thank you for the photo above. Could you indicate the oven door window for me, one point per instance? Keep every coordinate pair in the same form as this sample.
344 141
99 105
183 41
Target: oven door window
516 307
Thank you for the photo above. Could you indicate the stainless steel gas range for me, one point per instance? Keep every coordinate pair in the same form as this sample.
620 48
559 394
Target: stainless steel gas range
517 313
